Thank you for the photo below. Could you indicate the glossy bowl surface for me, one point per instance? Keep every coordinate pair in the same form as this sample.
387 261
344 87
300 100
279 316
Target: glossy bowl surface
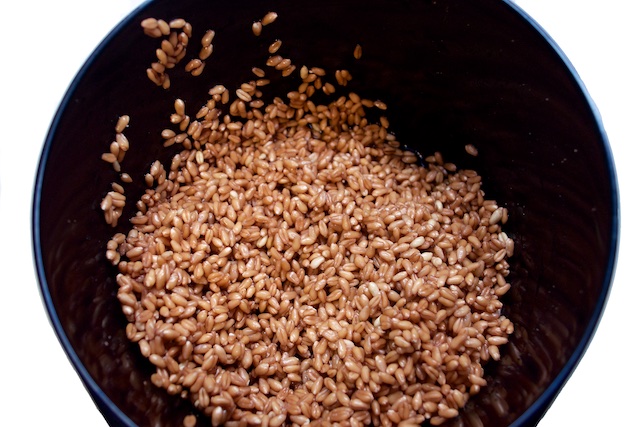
452 72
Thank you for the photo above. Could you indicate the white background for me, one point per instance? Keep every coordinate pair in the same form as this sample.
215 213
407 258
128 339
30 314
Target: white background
44 43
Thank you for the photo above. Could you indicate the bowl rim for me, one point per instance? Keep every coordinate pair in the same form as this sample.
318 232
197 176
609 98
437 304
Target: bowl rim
109 410
537 410
112 413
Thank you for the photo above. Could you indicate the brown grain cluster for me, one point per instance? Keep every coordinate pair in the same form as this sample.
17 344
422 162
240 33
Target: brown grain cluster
310 274
173 48
114 201
267 19
295 265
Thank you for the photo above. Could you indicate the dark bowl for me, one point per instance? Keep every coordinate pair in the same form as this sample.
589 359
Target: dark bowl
452 72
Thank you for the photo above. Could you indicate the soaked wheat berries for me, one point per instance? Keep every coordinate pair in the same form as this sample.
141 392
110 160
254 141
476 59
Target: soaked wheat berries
295 265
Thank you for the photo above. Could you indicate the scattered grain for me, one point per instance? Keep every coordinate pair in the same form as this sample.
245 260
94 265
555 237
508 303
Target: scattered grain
256 27
123 122
269 18
357 52
273 47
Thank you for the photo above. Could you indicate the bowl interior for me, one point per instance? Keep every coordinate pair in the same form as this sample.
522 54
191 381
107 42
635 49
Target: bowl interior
451 73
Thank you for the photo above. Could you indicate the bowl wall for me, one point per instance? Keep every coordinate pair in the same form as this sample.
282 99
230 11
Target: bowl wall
451 73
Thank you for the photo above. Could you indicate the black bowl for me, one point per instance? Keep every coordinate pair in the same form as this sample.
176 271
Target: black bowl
452 73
